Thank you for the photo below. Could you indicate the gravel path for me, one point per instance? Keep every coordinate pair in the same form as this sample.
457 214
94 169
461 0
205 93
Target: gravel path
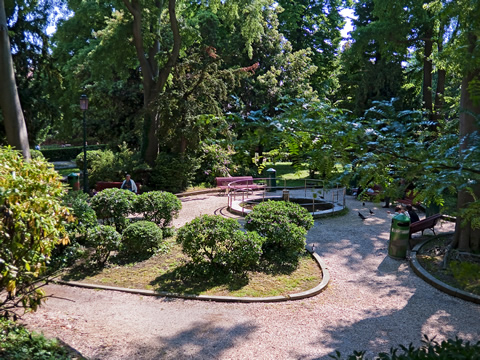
372 303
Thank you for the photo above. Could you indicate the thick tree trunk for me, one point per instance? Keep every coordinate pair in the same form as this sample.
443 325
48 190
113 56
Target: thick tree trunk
467 238
154 79
13 120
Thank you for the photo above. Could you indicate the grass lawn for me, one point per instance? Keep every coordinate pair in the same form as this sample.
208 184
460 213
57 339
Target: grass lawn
172 272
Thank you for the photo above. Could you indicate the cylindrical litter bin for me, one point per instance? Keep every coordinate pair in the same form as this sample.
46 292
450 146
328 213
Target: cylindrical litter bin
272 181
399 236
73 180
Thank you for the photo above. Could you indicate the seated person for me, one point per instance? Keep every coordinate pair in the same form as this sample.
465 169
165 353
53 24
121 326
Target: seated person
129 184
412 214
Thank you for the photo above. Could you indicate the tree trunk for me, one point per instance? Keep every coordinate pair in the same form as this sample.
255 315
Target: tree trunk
439 94
154 79
467 238
9 101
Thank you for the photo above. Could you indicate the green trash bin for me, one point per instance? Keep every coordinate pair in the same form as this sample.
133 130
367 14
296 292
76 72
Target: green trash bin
399 236
74 181
272 181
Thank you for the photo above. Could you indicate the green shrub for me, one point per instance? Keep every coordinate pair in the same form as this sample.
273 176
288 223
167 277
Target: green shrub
215 162
173 173
284 226
219 241
100 166
36 154
104 239
112 206
158 206
141 239
447 349
32 223
17 343
84 219
67 153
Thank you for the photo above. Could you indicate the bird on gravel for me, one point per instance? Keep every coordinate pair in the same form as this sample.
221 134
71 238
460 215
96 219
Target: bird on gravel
363 204
361 216
371 212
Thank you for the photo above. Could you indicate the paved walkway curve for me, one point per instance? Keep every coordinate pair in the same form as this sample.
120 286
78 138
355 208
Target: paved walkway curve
372 303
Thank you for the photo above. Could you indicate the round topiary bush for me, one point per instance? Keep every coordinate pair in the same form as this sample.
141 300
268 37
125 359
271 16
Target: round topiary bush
104 239
141 239
219 241
161 207
112 206
284 226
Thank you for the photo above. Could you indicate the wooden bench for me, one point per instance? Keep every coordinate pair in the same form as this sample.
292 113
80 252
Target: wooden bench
408 200
236 183
102 185
427 223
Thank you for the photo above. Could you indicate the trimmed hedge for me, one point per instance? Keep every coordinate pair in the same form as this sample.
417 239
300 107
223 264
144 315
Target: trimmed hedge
67 153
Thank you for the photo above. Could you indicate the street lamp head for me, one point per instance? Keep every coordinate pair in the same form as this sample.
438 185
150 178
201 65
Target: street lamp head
83 102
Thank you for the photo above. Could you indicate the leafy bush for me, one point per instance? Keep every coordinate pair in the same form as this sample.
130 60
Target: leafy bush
85 217
284 226
36 154
215 162
112 206
99 166
67 153
141 239
17 343
32 222
447 349
158 206
173 173
104 239
220 242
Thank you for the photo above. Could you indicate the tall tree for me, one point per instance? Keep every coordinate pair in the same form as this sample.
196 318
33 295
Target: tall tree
9 101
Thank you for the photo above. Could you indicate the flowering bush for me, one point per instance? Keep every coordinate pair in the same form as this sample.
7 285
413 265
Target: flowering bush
216 162
219 241
284 226
158 206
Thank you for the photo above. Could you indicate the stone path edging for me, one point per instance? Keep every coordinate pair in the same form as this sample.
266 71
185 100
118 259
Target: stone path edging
436 283
298 296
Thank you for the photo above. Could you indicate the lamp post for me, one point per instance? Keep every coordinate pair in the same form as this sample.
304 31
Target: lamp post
84 108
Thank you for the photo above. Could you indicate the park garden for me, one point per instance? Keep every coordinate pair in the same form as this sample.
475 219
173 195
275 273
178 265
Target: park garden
179 93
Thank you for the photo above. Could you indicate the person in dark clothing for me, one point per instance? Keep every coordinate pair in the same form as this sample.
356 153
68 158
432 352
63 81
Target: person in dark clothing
413 215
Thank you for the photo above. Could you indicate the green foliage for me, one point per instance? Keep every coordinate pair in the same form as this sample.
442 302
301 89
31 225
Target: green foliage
141 239
160 207
17 343
218 241
467 274
36 154
173 173
106 165
68 153
215 162
284 226
447 349
85 216
32 223
112 206
104 239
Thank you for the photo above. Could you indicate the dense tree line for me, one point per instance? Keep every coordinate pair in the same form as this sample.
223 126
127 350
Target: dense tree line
397 101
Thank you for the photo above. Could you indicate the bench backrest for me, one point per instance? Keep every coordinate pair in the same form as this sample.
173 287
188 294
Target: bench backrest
426 223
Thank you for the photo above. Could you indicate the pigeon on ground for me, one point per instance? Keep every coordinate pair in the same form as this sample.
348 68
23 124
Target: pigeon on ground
363 204
361 216
371 212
